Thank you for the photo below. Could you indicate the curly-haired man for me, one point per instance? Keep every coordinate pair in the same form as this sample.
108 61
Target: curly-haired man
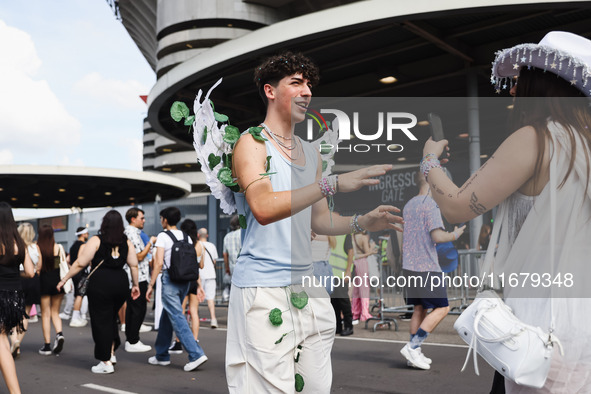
280 335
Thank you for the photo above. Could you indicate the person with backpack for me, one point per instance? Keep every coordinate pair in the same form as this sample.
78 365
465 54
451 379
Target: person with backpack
175 257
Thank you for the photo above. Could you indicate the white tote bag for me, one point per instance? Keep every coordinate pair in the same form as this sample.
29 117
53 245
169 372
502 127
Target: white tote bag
64 268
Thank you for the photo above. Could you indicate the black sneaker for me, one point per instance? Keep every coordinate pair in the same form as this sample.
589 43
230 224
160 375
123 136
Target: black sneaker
176 348
45 350
58 344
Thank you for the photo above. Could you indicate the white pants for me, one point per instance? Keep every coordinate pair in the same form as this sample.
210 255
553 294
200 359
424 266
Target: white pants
256 364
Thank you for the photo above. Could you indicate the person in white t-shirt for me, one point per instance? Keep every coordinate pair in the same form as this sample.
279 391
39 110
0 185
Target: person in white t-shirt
207 273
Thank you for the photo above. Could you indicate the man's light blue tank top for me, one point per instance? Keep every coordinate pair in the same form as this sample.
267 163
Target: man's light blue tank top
280 253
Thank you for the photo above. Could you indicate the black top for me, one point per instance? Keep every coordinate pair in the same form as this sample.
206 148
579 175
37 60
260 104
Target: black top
10 273
74 250
348 244
115 256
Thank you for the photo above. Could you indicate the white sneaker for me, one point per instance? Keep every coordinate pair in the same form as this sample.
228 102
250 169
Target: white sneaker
214 323
414 357
154 361
78 322
145 328
64 316
427 359
123 327
113 359
192 365
137 347
355 322
102 367
34 319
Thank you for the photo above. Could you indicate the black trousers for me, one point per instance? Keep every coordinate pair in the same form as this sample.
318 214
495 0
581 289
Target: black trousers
135 314
342 304
107 291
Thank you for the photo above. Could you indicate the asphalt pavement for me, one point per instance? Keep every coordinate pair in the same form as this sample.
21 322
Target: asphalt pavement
366 362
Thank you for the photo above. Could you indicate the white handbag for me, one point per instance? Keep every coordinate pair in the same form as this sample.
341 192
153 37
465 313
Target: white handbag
518 351
69 285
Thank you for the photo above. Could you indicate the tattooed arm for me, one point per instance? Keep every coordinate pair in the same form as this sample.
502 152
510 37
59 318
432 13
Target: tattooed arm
511 166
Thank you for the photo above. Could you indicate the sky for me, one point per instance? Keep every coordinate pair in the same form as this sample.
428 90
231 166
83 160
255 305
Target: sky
70 81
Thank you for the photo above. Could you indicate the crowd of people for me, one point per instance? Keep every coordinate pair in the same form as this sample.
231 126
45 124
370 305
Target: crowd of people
280 332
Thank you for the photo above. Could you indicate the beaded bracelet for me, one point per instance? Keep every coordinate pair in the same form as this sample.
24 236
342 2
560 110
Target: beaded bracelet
429 162
354 225
328 185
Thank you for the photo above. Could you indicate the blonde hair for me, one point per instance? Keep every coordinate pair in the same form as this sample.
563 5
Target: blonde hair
27 233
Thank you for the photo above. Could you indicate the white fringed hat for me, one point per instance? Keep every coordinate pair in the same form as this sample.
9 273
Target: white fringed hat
564 54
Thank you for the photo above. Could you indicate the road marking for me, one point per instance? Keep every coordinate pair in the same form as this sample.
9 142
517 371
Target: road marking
105 389
401 342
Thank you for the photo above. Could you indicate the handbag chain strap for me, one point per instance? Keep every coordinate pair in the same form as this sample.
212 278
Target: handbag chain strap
94 269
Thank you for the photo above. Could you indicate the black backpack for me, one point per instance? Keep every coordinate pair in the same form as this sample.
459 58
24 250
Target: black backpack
183 260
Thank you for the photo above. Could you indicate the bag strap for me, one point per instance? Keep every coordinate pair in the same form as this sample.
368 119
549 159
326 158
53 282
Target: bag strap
210 256
553 185
171 235
492 245
94 269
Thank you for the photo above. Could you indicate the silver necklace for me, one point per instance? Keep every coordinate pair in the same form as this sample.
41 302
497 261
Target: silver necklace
287 152
274 136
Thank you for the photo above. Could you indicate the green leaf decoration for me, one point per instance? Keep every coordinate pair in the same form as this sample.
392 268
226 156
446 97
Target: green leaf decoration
228 160
204 138
299 300
212 106
242 221
268 165
324 165
178 111
232 134
189 121
324 148
281 339
256 133
225 176
299 382
268 173
275 317
235 188
220 117
213 160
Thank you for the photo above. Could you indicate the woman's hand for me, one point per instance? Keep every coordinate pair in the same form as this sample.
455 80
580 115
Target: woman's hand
355 180
437 148
381 219
135 292
60 284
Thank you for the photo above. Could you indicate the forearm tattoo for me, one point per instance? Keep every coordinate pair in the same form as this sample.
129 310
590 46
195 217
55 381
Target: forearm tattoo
475 206
437 189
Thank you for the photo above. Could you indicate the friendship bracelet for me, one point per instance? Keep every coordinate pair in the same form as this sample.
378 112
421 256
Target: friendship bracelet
454 235
328 188
354 225
328 185
429 162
